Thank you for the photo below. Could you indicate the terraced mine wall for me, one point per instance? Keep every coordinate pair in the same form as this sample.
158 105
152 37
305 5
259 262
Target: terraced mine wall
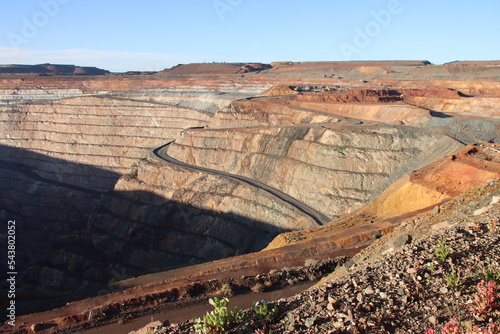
79 176
162 216
349 164
58 157
91 200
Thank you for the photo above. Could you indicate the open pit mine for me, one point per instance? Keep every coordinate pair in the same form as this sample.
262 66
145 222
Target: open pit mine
133 192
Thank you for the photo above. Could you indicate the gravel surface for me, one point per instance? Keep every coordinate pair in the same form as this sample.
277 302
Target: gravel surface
406 290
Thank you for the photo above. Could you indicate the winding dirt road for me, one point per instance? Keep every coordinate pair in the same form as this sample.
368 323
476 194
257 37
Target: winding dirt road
318 217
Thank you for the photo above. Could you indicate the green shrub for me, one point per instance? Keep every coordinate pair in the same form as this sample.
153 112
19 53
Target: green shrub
265 312
491 274
220 319
454 279
442 252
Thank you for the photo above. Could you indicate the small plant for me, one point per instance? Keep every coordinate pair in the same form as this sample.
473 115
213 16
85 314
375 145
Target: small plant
220 319
483 304
265 312
477 225
453 327
486 298
492 329
454 279
490 274
432 267
442 252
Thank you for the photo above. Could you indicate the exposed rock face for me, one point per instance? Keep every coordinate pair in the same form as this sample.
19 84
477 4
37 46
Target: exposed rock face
163 216
58 157
8 96
90 199
348 163
68 153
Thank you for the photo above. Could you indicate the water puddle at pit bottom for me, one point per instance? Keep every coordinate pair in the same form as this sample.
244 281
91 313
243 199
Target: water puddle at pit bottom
182 314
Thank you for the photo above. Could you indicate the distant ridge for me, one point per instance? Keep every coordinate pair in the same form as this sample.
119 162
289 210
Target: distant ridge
51 69
215 68
357 63
473 62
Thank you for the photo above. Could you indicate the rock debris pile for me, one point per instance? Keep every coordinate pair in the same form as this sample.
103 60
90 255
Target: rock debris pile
444 281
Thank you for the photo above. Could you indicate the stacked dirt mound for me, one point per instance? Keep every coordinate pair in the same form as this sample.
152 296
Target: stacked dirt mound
215 68
341 66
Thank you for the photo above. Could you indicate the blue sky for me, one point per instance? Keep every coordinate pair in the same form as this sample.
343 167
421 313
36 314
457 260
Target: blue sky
156 34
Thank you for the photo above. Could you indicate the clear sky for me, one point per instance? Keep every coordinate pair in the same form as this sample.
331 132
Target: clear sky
156 34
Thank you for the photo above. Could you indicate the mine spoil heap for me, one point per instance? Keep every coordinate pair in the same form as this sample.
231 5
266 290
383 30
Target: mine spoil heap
127 188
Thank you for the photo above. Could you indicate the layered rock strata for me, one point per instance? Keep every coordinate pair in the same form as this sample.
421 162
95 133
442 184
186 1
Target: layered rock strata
57 159
162 216
348 163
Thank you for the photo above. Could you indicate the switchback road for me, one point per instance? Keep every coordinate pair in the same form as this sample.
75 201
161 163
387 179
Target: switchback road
318 217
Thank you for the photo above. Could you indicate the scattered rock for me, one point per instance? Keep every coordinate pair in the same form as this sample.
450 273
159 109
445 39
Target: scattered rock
441 226
495 200
403 239
310 322
369 290
150 328
349 264
35 328
412 271
390 250
481 211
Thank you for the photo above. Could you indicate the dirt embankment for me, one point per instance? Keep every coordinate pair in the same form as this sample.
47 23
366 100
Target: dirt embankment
414 194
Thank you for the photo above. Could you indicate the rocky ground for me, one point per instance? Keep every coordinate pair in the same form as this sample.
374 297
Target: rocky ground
435 274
